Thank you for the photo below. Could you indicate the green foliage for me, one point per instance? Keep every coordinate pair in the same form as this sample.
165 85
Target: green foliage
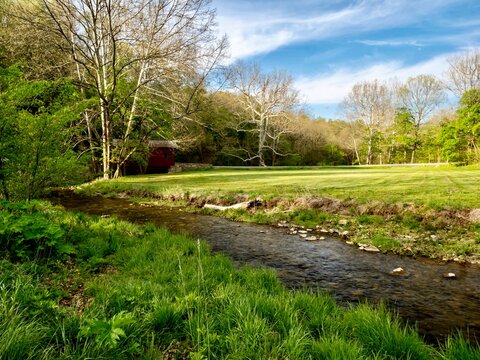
460 348
381 334
411 220
385 243
38 121
370 219
31 234
107 333
461 138
309 218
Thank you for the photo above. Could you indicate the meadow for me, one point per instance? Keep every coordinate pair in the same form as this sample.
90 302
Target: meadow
435 187
415 211
75 287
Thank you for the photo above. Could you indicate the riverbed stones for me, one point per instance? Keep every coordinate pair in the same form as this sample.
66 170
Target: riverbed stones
368 248
243 205
474 216
303 235
450 275
311 238
397 271
302 231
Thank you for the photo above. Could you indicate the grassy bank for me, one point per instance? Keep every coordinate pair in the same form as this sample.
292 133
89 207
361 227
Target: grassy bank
425 211
77 287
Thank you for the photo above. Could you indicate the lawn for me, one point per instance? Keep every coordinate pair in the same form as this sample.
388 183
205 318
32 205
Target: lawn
435 187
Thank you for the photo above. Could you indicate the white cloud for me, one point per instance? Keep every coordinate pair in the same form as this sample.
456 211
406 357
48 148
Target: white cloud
328 88
391 43
255 30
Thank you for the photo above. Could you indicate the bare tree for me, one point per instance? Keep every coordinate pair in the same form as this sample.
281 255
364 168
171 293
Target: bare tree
420 96
464 72
266 100
370 103
127 50
20 42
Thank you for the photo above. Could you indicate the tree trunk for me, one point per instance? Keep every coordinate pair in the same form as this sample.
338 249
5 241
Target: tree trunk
369 151
262 134
105 139
356 151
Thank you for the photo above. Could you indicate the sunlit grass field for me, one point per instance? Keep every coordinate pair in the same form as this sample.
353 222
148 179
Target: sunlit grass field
435 187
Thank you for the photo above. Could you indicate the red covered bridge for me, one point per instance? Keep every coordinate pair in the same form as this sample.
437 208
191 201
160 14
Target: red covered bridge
162 158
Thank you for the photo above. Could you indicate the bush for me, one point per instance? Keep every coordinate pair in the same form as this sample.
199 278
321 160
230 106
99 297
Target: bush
25 235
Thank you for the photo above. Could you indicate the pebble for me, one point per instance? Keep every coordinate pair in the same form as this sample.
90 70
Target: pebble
343 222
397 271
311 238
303 235
302 231
450 276
369 248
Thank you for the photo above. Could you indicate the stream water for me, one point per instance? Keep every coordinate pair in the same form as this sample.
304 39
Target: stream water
422 295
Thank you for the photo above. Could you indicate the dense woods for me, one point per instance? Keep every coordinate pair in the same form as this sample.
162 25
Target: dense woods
75 76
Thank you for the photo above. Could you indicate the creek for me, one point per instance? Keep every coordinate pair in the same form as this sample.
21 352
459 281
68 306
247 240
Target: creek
422 295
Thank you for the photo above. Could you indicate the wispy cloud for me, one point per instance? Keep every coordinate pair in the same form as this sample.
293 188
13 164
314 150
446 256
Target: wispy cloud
390 43
257 30
328 88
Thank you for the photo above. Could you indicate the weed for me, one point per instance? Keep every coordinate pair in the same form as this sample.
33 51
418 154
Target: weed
370 219
385 243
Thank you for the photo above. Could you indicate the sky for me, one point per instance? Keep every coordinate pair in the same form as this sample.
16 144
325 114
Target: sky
330 45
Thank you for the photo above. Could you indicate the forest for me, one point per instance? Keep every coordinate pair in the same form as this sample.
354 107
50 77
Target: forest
85 85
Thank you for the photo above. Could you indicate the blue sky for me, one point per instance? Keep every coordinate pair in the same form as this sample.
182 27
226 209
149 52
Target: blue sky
330 45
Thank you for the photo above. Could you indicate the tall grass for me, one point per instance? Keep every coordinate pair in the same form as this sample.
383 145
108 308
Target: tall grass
150 295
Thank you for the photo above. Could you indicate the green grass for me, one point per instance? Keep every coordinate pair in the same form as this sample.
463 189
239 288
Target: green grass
157 295
435 187
402 206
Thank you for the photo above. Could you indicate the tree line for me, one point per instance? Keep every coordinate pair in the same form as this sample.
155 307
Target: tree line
85 84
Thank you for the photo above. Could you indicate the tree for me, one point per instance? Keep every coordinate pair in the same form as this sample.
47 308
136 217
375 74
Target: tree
38 119
464 72
420 96
369 102
23 43
402 136
460 136
469 123
266 100
131 50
